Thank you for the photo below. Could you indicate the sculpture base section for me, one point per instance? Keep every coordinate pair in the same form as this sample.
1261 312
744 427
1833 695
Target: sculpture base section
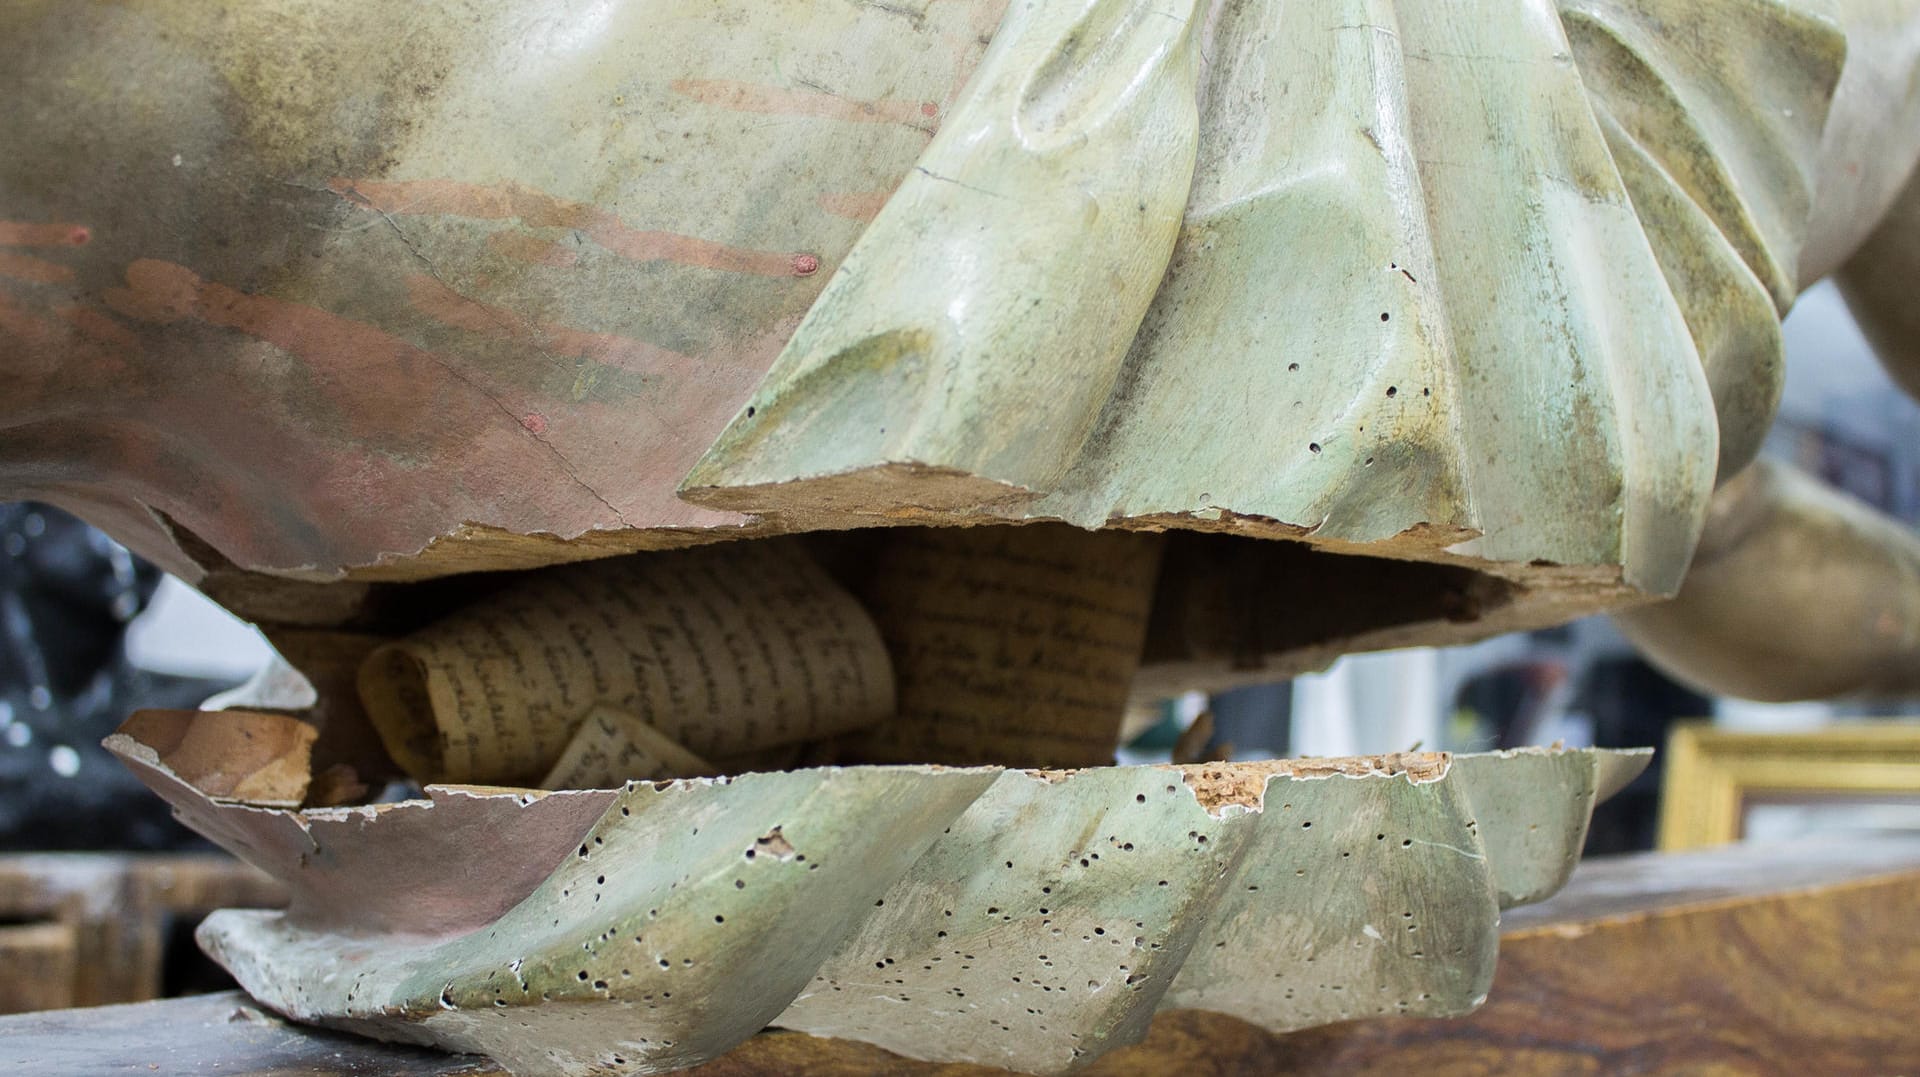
1746 959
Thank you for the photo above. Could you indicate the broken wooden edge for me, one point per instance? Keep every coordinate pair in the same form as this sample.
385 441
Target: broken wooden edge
1533 842
1032 919
237 756
1220 786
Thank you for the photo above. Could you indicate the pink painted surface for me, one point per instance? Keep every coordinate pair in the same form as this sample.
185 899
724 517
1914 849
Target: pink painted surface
323 306
407 868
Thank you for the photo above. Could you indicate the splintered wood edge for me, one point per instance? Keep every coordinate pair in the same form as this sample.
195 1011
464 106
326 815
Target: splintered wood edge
255 758
1218 786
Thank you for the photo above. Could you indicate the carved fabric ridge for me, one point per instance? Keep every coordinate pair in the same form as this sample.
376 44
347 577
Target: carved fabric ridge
1522 272
963 914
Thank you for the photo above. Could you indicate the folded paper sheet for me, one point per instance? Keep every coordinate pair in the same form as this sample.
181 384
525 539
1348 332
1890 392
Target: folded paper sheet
612 748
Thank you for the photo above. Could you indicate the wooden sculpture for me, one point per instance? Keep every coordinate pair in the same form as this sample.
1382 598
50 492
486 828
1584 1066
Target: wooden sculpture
1007 360
372 294
861 268
1026 919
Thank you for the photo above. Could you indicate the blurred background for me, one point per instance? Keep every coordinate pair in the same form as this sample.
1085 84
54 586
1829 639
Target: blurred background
88 633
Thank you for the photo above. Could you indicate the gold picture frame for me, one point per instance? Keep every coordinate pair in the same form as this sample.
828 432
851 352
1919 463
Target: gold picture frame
1712 775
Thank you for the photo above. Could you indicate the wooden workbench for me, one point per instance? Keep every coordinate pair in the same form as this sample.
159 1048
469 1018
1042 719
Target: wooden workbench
1789 959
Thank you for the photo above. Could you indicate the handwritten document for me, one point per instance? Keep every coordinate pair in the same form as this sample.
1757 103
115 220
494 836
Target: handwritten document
717 651
1011 645
612 747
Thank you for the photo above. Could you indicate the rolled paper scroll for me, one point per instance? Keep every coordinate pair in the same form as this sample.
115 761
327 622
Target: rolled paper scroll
612 747
720 649
1014 646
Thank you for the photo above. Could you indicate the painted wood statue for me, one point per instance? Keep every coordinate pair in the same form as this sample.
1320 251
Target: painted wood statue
435 339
